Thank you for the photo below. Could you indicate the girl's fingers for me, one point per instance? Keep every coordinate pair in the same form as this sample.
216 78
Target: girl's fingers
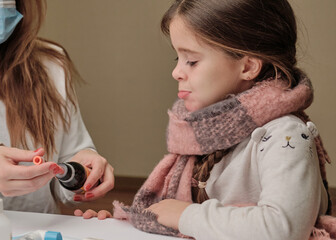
152 208
78 213
89 214
102 214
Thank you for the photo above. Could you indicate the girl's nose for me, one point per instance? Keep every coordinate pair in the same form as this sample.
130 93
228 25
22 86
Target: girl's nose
178 73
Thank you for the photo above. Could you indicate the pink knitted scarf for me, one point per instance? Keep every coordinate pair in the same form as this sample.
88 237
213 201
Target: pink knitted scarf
217 127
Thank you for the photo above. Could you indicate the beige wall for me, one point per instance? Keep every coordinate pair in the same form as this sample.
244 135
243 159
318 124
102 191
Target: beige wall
119 50
317 56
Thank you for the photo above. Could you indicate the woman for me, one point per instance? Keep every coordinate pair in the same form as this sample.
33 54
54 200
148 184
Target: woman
39 111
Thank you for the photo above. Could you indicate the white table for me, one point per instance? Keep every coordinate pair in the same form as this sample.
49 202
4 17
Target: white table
72 227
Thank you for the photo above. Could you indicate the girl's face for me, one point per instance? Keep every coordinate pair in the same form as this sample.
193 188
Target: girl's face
205 75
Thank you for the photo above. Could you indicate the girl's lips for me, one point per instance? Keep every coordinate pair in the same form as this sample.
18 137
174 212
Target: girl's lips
183 94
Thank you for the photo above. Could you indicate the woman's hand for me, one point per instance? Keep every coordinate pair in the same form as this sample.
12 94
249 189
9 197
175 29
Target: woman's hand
16 180
169 211
101 215
101 171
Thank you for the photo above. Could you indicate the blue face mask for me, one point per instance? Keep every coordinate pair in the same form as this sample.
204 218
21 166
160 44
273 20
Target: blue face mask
9 18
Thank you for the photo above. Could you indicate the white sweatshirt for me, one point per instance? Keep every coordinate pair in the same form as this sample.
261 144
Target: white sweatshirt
67 144
276 170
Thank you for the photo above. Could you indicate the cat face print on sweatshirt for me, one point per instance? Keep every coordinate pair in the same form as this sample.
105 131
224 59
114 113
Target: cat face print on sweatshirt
296 137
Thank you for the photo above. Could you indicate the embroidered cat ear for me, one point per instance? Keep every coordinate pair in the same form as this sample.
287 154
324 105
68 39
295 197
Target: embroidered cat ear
312 128
258 134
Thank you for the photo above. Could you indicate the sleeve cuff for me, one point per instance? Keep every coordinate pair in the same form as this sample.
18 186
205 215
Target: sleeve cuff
189 219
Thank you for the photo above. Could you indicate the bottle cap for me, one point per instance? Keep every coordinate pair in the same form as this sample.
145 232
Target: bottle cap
51 235
37 160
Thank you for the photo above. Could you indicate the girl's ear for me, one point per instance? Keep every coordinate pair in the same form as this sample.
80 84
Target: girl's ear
251 67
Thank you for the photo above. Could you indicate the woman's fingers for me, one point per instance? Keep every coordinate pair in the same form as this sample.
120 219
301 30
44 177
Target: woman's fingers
15 179
13 172
101 171
19 155
95 162
107 183
21 186
99 168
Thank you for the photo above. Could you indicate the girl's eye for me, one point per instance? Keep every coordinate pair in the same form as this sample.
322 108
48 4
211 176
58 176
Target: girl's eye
191 63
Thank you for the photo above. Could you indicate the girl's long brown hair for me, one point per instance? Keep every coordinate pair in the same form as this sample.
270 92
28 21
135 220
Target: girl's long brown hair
260 28
201 173
265 29
34 107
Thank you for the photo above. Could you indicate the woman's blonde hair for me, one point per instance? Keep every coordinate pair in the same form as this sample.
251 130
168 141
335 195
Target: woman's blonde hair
34 107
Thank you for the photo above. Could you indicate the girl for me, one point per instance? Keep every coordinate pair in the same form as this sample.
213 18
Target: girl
244 159
39 110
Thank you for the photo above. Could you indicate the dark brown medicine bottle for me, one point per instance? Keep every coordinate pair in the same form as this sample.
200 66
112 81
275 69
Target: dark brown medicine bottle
74 176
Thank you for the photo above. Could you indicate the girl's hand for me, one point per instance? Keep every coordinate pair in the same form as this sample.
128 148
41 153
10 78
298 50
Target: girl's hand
101 215
169 211
16 180
101 171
